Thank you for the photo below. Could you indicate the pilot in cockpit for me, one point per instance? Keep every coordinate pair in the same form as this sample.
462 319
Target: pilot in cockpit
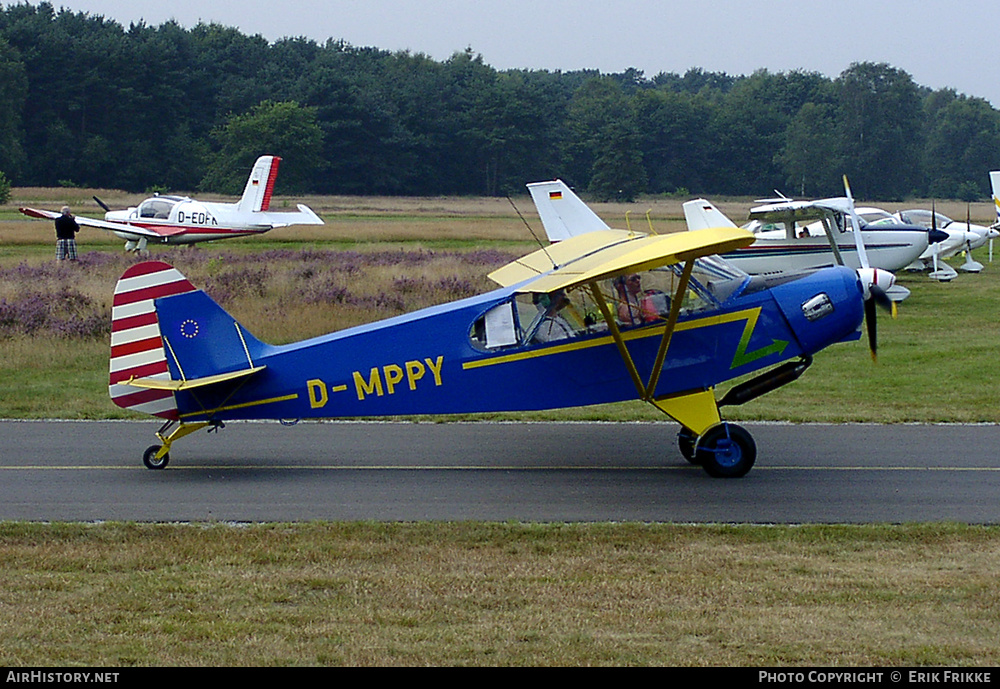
554 325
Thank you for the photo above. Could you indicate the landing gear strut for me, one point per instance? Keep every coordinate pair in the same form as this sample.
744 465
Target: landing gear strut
157 456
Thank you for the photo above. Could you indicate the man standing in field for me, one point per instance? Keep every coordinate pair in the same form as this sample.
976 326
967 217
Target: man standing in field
66 229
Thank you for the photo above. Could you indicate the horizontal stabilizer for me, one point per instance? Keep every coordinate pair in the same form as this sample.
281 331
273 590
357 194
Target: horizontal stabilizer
304 216
174 385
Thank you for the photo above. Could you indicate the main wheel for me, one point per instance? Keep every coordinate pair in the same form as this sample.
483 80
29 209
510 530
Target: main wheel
150 460
726 451
686 440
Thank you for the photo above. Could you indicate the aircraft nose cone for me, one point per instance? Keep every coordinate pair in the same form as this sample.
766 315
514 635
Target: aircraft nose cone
935 236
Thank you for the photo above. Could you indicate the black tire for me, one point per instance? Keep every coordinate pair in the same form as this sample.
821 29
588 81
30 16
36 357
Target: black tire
686 440
726 451
149 458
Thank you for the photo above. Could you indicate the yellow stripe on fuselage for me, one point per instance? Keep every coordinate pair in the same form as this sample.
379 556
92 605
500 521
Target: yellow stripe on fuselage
749 315
243 405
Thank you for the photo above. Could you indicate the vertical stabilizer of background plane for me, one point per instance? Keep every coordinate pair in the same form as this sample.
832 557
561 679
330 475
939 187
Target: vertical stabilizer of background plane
260 185
562 212
995 183
701 214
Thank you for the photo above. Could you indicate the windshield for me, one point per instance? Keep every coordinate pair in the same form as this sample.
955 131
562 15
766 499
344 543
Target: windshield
924 218
633 300
158 207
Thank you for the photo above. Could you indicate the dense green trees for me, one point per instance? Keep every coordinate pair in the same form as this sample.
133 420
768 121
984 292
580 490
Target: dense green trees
84 100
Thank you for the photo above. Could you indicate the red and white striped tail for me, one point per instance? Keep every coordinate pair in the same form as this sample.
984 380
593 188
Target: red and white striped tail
136 344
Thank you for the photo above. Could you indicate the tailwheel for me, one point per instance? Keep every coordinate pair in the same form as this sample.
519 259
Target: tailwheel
686 440
726 451
153 459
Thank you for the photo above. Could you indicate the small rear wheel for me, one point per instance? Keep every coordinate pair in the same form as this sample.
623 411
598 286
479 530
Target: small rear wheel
150 460
726 451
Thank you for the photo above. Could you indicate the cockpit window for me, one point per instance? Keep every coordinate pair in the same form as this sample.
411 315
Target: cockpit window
157 208
633 300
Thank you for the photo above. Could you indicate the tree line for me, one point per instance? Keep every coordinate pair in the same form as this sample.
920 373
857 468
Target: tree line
86 101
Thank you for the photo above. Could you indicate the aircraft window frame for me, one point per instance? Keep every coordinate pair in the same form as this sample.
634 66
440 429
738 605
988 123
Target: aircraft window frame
921 217
713 283
157 205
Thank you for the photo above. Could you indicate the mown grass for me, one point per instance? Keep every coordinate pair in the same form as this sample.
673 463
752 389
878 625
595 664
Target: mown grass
497 594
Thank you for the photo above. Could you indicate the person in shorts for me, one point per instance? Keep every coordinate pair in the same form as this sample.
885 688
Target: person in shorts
66 229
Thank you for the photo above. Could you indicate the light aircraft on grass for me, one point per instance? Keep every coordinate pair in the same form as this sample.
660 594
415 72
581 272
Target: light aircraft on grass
778 249
805 235
962 236
182 220
549 337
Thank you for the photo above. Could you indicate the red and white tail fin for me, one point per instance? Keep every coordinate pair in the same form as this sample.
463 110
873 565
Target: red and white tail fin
995 185
136 343
260 185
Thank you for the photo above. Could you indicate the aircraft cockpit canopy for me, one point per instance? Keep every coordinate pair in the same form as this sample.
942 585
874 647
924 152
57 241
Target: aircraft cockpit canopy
158 207
926 218
639 299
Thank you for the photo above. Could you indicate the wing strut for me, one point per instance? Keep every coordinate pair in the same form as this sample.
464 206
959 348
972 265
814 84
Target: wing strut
646 390
675 311
695 409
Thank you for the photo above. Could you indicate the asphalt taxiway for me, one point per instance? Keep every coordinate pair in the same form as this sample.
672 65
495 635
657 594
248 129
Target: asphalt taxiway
87 471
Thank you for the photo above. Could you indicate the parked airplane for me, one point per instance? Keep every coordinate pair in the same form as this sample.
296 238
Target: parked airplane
564 214
182 220
804 235
961 237
177 355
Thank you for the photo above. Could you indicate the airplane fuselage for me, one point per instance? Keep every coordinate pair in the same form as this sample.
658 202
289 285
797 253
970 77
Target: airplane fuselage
775 252
430 362
180 220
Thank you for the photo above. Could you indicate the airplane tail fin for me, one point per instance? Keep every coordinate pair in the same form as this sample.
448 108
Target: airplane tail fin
260 185
995 184
166 336
562 212
701 214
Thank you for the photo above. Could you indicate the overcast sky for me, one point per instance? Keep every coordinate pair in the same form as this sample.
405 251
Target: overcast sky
940 44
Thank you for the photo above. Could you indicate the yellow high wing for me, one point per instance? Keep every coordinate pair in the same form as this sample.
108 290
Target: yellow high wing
586 259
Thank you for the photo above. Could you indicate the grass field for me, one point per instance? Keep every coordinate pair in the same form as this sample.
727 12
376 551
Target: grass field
498 594
479 594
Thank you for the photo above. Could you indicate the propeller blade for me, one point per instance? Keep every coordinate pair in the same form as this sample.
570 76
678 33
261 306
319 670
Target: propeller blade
102 205
881 298
871 327
858 239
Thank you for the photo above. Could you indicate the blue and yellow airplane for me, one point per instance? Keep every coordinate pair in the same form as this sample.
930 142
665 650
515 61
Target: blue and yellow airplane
606 316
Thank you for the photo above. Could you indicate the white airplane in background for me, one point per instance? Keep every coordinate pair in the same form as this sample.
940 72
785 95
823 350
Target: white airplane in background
806 235
564 215
962 236
182 220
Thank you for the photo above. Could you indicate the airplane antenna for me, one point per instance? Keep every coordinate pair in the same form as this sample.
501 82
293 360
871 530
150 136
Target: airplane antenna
540 242
649 221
